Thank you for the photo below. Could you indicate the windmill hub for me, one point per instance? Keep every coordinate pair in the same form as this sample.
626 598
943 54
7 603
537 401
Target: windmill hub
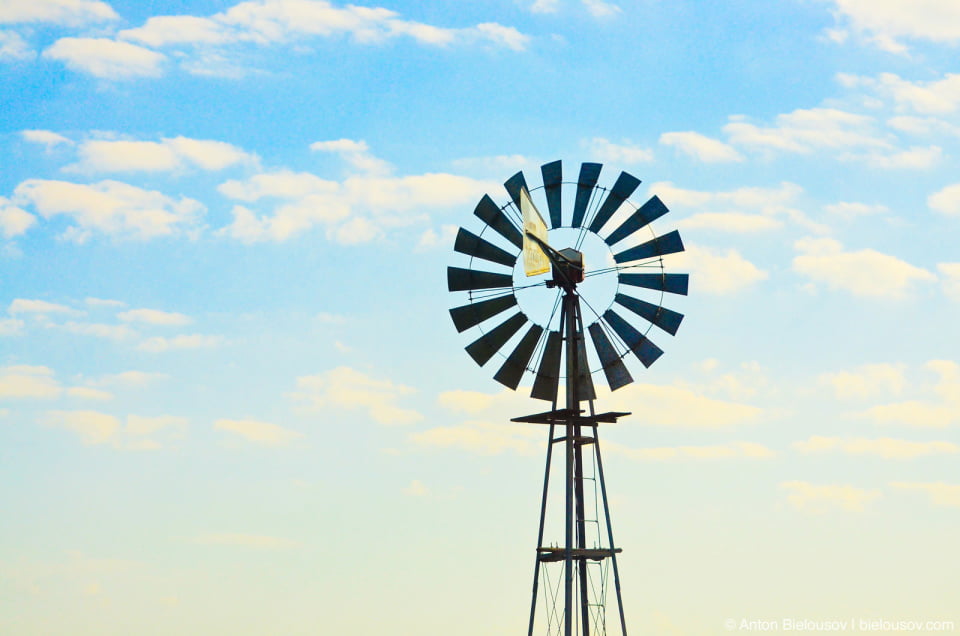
568 270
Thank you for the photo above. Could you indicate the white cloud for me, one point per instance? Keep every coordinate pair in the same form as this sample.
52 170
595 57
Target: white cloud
946 201
914 413
851 210
601 9
112 208
701 147
14 47
355 153
866 273
45 137
737 222
545 6
155 317
11 326
63 12
936 20
107 59
867 381
159 344
92 426
431 239
717 271
258 432
912 159
350 389
41 307
821 498
100 330
129 379
808 130
933 97
88 393
14 221
605 150
164 156
730 450
883 447
950 273
940 494
171 30
137 434
681 407
28 382
483 438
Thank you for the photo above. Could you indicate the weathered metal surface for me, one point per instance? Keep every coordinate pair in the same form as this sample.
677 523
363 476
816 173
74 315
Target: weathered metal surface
552 174
641 217
483 348
514 185
625 185
613 367
512 370
459 279
642 347
669 243
666 319
548 375
493 216
472 245
589 173
473 314
672 283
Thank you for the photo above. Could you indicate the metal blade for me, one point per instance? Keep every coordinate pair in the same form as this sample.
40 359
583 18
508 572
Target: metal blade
621 191
613 366
666 244
666 319
512 370
649 211
589 173
641 346
473 314
496 219
459 279
673 283
585 388
552 178
513 185
483 348
548 375
472 245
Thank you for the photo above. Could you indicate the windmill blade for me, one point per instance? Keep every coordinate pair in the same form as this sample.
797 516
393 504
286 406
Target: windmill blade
512 370
589 173
649 211
493 216
514 185
483 348
548 375
584 378
641 346
552 174
621 191
459 279
666 319
613 366
472 245
667 244
673 283
473 314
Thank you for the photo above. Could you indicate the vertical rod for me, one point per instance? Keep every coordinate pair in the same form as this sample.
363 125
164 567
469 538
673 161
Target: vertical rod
606 512
543 515
578 483
573 404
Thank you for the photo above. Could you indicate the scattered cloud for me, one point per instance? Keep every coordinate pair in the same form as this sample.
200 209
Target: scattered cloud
138 433
852 210
45 137
40 307
935 20
867 381
940 494
159 344
950 275
111 208
885 447
730 450
88 393
93 427
14 221
545 6
14 48
72 13
100 330
154 317
350 389
701 147
936 97
28 382
431 239
737 222
819 499
601 9
946 201
356 154
166 155
483 438
11 327
258 432
865 273
717 271
129 379
914 413
912 159
106 59
808 130
626 153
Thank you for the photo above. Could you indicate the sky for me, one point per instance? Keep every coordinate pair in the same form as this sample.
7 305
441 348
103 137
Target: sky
232 400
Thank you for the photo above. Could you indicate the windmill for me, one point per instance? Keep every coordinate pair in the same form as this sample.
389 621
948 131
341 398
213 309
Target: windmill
544 296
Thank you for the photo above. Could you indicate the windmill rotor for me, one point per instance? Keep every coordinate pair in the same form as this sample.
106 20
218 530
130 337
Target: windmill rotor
632 257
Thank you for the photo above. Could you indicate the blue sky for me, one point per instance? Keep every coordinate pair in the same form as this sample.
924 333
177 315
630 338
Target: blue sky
232 400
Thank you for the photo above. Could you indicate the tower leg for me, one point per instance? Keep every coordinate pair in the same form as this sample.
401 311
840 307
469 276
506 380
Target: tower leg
606 512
